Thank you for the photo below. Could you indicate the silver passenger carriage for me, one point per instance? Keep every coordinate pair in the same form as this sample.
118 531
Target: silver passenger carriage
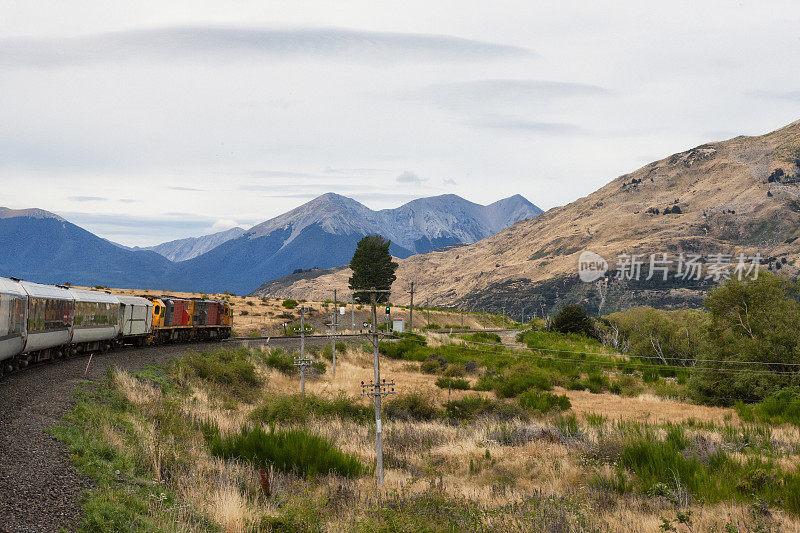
135 319
96 320
49 321
13 310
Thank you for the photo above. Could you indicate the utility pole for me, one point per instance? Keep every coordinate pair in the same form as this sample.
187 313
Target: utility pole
504 317
377 389
333 331
411 310
302 361
353 315
428 308
462 319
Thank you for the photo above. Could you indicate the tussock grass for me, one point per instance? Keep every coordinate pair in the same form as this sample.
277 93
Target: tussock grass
296 451
298 409
477 461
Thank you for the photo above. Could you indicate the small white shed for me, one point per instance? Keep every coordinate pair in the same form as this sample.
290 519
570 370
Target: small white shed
399 325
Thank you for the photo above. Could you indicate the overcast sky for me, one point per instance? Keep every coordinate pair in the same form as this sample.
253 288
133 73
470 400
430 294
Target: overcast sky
147 121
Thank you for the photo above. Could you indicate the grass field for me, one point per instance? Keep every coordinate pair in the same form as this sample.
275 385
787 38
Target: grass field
536 443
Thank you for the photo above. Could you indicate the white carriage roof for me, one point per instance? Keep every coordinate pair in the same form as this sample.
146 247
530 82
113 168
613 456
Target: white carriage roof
83 295
9 286
37 290
134 300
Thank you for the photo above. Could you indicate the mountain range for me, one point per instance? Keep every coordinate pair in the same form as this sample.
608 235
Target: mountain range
736 196
191 247
323 233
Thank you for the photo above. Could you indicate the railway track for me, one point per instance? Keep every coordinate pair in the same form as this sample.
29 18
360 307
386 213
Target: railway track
40 488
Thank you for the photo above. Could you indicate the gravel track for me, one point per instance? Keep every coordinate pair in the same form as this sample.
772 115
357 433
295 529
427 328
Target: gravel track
40 490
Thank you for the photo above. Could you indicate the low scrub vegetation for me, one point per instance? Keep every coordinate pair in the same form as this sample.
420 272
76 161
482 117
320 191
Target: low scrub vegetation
781 407
229 371
298 409
548 439
294 451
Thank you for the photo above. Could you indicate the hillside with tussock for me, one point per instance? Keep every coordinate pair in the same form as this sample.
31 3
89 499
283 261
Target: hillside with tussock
739 195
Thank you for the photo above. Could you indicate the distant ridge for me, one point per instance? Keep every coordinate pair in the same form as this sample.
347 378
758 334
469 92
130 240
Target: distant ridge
41 246
324 231
183 249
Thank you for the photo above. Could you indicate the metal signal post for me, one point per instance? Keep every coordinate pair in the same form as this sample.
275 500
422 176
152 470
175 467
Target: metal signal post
302 361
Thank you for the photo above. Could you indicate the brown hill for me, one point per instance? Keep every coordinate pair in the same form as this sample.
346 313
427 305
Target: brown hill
740 195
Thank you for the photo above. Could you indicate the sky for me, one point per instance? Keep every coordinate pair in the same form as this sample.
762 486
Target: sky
154 120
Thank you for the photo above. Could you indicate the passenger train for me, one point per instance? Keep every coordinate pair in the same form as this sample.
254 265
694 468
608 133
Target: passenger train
42 322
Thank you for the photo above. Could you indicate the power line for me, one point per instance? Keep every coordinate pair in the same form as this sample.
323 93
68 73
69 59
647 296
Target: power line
614 363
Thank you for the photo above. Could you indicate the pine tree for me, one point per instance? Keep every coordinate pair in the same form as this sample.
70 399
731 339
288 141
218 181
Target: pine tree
373 269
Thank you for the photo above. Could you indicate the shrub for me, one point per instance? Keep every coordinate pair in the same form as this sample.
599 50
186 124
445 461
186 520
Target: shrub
229 370
782 407
289 303
454 371
451 383
629 386
432 326
472 407
411 406
520 378
573 319
433 364
750 320
409 349
597 382
543 402
298 408
294 450
482 336
281 361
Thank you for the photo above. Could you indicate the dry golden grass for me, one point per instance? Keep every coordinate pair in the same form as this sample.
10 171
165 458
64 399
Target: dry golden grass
461 460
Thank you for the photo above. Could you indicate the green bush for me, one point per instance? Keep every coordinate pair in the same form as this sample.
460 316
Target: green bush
294 451
432 326
409 349
455 371
573 319
597 382
750 320
231 371
482 336
452 383
543 402
410 406
281 361
475 406
298 408
289 303
520 378
782 407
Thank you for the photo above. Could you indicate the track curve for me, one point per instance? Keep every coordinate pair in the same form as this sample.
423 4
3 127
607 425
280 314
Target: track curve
40 490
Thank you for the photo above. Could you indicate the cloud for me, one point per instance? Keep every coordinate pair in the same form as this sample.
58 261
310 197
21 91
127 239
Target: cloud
409 177
88 199
519 125
190 189
448 181
223 224
779 95
204 43
503 93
